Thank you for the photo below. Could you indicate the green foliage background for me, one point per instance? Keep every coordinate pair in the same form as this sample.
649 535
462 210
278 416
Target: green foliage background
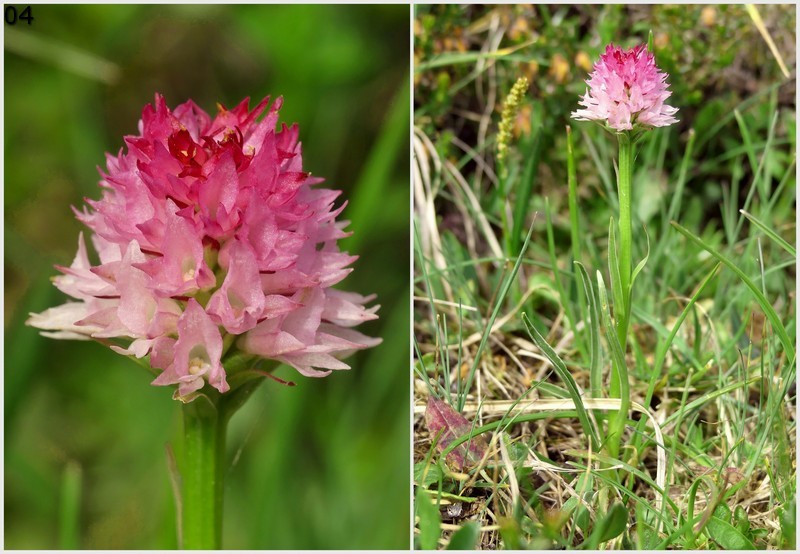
320 465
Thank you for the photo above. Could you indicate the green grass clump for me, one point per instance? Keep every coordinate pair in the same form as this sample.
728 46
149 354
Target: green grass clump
513 318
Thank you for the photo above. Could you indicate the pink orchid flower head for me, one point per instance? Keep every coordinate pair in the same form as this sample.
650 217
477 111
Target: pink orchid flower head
627 90
212 241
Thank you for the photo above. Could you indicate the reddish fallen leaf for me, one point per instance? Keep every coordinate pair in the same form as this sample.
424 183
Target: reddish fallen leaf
447 424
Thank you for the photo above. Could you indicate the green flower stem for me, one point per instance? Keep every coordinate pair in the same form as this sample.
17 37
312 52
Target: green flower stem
204 427
625 235
618 389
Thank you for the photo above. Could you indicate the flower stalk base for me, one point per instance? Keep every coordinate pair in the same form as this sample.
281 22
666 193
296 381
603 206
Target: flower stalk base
618 389
204 427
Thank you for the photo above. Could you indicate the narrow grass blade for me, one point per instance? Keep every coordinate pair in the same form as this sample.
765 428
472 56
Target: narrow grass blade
572 186
549 411
640 266
61 55
708 397
602 170
769 311
748 140
646 504
70 507
743 106
776 195
566 407
505 287
664 347
752 11
455 58
176 484
566 303
770 233
566 377
369 194
524 192
423 265
593 329
759 183
677 196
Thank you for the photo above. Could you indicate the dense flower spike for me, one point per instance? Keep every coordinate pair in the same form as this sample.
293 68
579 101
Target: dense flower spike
627 89
212 240
510 110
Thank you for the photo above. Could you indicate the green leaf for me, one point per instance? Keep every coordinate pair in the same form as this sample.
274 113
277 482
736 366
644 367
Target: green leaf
465 538
616 278
614 524
429 520
741 520
425 474
723 512
611 526
618 357
235 399
788 520
727 536
565 376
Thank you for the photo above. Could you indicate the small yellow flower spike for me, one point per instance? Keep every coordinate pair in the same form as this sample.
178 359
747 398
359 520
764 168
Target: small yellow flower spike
509 114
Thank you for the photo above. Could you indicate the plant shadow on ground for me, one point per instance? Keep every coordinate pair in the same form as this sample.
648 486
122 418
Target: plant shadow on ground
711 356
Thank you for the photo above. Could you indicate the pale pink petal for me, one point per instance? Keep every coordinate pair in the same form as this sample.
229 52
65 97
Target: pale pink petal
626 88
199 347
347 308
60 322
181 269
307 364
138 348
239 302
137 304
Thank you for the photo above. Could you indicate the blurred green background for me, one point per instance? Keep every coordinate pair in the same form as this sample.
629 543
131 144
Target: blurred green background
321 465
734 148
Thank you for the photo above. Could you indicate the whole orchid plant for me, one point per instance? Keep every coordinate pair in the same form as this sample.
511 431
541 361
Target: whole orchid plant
626 94
217 261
